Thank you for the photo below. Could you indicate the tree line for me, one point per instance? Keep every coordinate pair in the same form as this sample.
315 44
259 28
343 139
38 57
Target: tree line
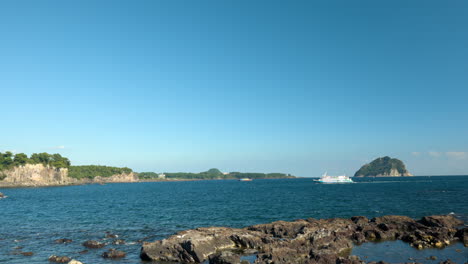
9 160
91 171
215 174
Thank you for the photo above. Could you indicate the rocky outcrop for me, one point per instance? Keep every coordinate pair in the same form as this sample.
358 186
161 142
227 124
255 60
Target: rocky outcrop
123 177
93 244
59 259
36 175
113 254
225 257
301 241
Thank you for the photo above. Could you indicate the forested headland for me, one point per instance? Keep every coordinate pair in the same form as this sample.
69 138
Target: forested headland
8 161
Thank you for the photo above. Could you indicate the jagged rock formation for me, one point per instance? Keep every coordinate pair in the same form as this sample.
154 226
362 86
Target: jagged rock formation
383 167
303 241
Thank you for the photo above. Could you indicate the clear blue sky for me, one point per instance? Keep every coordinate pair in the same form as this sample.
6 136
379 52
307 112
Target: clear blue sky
288 86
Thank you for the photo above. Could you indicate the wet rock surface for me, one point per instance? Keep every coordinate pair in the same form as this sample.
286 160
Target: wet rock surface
59 259
302 241
63 241
225 257
93 244
113 254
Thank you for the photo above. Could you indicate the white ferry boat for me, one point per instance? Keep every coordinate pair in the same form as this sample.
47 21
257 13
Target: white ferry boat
334 179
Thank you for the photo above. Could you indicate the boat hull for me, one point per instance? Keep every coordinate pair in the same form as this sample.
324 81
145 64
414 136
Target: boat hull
344 181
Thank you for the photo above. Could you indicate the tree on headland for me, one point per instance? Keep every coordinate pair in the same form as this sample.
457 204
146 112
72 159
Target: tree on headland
21 159
58 161
92 171
8 160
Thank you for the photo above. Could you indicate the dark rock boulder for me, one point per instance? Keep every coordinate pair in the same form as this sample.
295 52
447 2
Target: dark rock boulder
93 244
360 220
462 234
448 261
59 259
113 254
447 221
225 257
193 245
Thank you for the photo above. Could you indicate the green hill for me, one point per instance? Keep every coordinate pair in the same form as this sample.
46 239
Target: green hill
383 167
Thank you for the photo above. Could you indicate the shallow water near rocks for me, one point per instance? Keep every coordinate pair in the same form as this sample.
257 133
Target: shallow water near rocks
32 218
399 252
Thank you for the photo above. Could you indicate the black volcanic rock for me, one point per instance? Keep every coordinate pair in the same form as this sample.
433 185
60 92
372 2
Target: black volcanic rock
383 167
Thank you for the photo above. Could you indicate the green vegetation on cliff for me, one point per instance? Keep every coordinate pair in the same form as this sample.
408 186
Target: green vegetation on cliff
385 166
9 160
91 171
214 174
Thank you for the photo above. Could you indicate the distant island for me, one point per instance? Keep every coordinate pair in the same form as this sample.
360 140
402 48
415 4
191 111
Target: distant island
44 169
383 167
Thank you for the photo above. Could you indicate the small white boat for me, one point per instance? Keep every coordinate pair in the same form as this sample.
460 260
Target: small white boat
334 179
245 179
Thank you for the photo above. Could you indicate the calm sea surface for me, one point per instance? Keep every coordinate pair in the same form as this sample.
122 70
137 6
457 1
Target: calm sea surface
32 218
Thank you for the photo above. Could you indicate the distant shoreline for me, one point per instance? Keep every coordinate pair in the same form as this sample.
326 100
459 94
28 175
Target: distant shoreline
10 185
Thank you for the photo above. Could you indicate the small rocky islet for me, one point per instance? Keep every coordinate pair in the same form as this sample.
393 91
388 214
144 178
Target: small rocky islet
383 167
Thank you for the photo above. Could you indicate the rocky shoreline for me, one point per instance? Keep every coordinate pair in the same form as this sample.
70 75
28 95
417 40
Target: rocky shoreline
303 241
306 241
102 181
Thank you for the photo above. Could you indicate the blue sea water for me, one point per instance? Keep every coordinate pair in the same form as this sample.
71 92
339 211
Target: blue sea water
32 218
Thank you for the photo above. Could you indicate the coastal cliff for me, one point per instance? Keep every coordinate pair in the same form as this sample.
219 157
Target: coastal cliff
123 177
36 175
383 167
